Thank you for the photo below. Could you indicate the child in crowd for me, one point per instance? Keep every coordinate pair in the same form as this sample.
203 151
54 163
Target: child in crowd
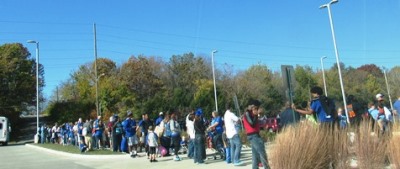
82 146
342 118
184 145
227 147
152 142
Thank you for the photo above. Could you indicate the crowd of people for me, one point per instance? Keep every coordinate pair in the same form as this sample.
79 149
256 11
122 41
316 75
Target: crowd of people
164 137
318 111
89 133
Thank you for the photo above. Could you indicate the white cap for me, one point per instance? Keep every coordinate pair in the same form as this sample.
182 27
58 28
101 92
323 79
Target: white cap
379 96
161 113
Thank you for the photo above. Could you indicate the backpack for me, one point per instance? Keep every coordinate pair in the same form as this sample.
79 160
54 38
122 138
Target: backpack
329 106
167 129
177 129
350 111
118 128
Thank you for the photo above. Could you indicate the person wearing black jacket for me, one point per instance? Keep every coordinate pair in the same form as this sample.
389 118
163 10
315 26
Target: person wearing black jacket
199 128
116 134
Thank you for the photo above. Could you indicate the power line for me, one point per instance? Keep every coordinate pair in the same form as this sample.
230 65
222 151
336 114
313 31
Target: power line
46 23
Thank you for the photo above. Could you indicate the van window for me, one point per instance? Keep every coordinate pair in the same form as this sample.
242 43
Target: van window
1 126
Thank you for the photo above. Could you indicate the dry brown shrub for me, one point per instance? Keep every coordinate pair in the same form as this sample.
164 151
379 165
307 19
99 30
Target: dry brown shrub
394 147
370 149
307 146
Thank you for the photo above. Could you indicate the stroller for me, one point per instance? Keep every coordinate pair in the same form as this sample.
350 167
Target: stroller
184 146
214 142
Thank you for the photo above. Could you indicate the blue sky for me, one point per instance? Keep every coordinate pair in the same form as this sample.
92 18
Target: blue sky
269 32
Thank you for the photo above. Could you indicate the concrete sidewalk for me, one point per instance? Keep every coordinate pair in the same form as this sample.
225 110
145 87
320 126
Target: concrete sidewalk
82 156
125 161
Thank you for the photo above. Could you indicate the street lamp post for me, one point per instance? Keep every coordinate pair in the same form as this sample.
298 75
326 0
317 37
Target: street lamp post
388 91
37 87
323 74
328 5
215 88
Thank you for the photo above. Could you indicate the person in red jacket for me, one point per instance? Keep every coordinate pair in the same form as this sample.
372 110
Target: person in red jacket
252 127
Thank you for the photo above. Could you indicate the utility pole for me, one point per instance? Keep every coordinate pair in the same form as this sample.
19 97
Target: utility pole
95 69
57 93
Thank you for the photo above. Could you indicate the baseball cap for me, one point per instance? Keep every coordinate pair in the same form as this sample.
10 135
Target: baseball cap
129 113
199 112
379 96
161 113
254 102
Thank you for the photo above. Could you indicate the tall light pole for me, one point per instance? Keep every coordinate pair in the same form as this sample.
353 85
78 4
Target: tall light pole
37 85
388 90
323 74
328 5
213 71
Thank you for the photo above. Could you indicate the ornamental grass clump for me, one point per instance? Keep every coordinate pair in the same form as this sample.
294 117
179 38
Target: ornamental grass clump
370 147
307 146
394 147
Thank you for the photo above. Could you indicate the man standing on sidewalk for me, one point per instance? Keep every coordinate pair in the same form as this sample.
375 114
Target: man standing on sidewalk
231 133
129 126
190 131
252 127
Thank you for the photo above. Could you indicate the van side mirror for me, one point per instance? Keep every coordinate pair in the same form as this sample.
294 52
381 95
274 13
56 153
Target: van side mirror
9 128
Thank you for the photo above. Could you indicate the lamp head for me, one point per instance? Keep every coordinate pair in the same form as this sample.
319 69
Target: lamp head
323 6
214 51
330 3
334 1
324 57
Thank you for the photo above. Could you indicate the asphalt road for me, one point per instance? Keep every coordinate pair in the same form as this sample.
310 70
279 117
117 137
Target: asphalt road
33 157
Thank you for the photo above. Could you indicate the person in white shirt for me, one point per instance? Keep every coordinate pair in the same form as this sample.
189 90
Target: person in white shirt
384 114
232 134
190 132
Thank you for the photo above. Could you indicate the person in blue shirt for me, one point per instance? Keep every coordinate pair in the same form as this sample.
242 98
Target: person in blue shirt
316 107
98 134
82 146
165 138
159 119
342 118
43 133
216 129
79 134
384 115
66 130
130 127
396 107
175 134
144 126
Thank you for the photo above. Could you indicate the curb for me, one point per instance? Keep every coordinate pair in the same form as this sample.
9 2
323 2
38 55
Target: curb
94 157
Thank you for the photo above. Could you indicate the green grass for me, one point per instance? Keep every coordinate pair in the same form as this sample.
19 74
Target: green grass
75 149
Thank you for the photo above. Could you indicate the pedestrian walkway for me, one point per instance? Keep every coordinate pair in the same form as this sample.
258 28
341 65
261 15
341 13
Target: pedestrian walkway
124 161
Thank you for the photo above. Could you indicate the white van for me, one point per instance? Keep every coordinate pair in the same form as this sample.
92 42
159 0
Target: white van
5 130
